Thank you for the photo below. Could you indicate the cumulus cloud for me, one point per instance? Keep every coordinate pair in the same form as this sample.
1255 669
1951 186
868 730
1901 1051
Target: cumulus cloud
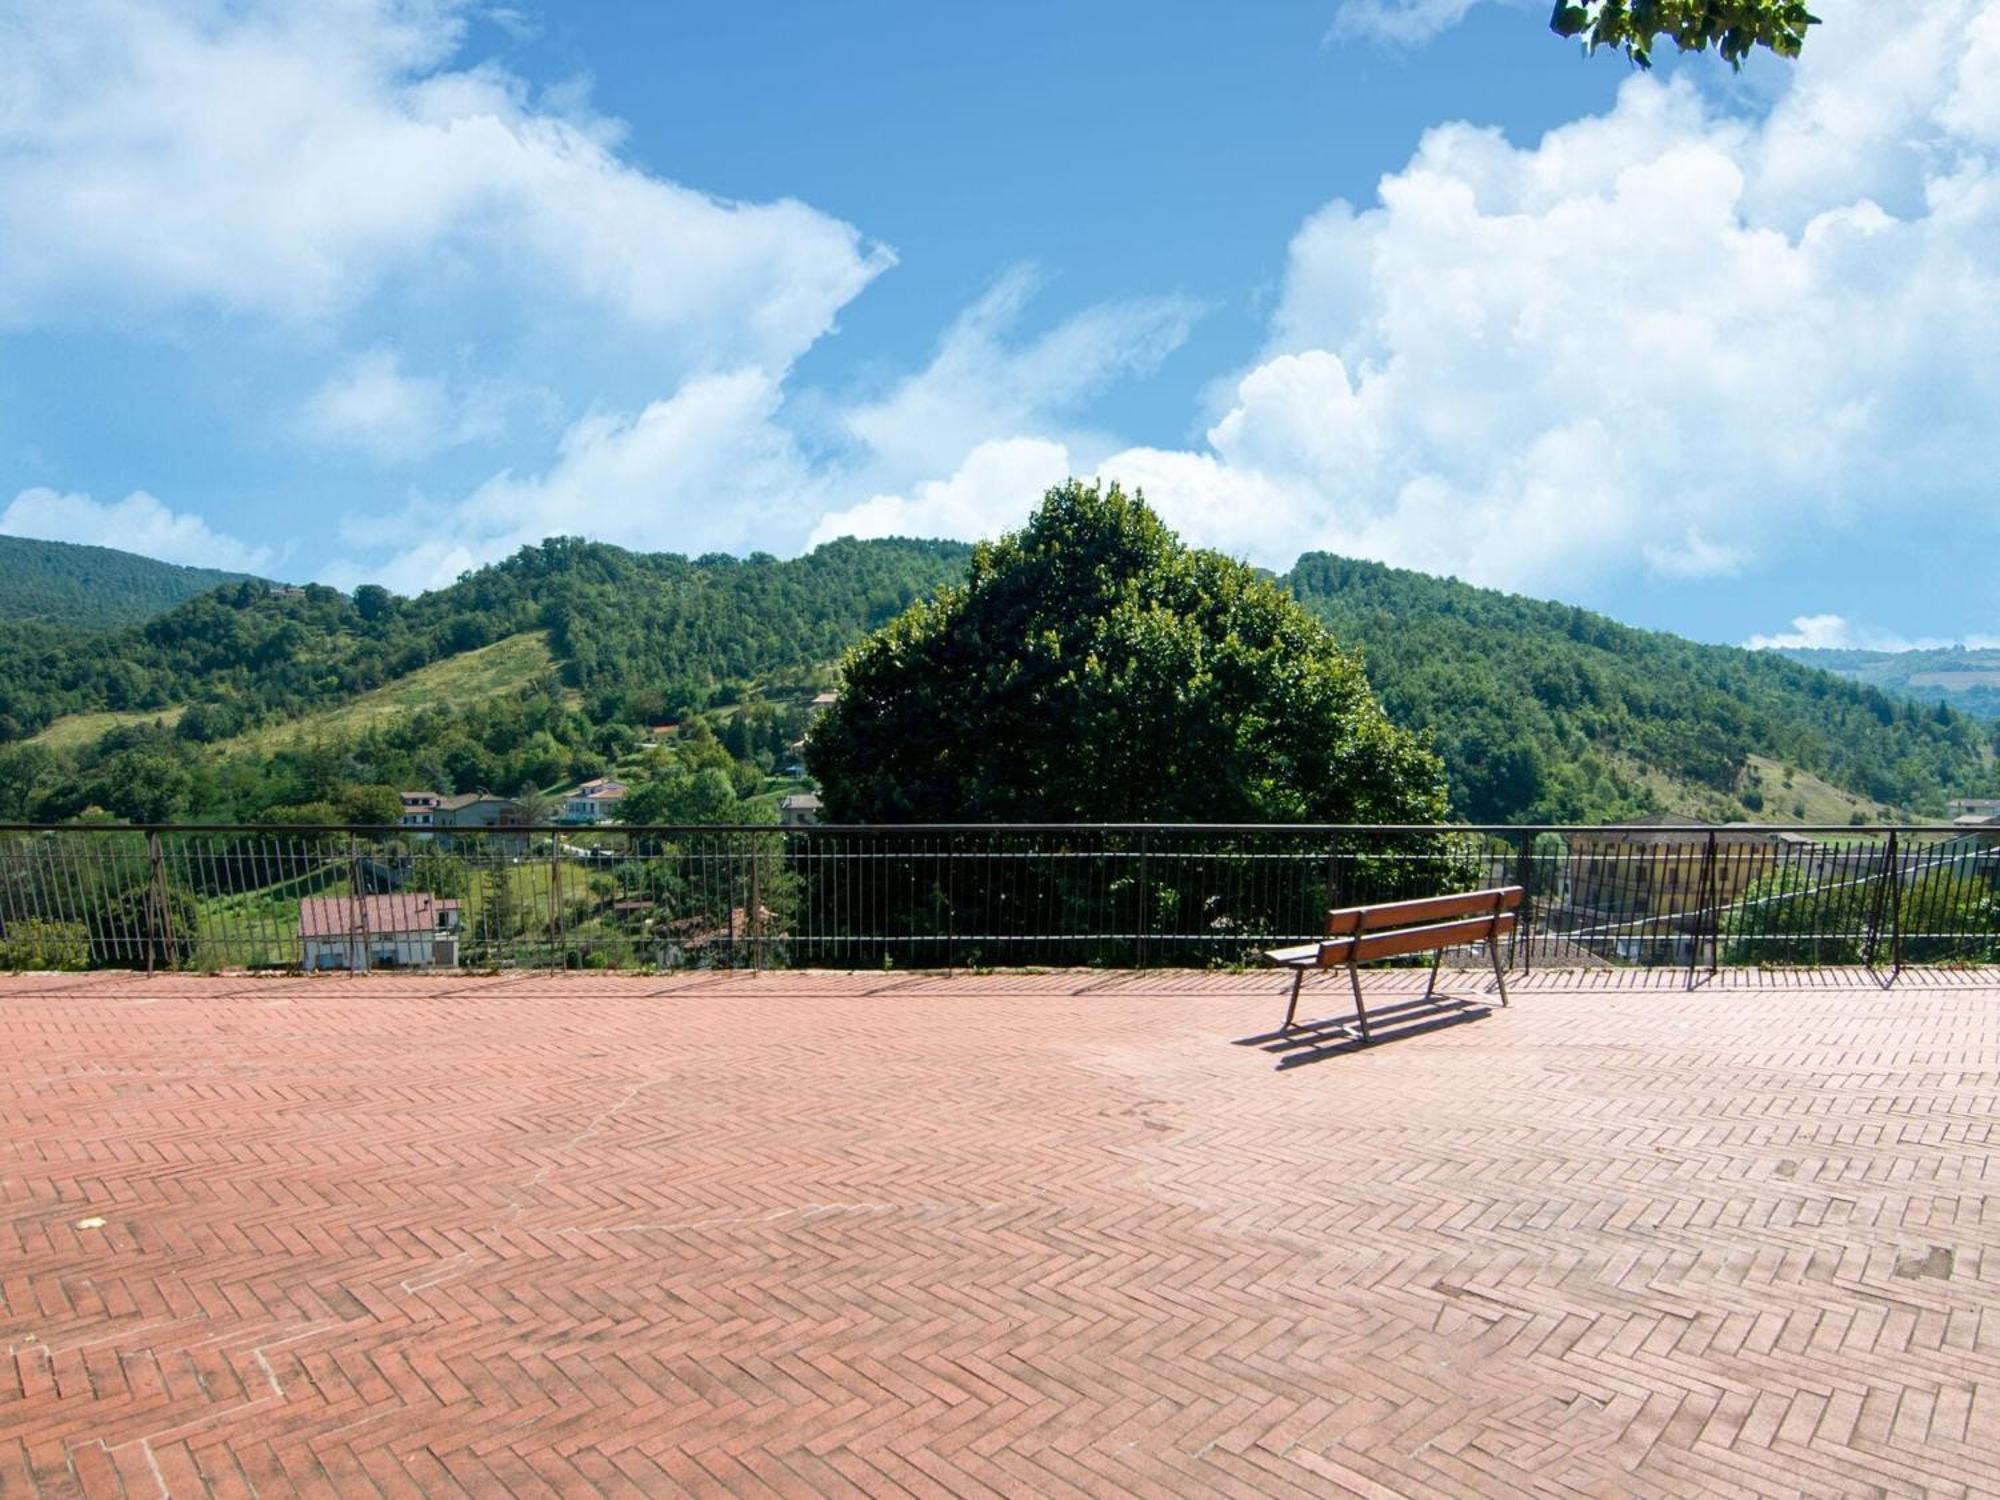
719 465
287 161
707 469
995 488
138 523
1664 341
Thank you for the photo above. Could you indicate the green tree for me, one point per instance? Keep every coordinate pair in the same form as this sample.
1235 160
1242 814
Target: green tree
24 771
1793 917
141 786
1732 27
683 797
1092 667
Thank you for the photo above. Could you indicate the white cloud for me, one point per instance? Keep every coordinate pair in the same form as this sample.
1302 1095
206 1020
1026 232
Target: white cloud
1808 632
1832 632
982 385
1407 23
995 488
1662 341
138 523
1649 345
370 404
707 469
287 161
718 465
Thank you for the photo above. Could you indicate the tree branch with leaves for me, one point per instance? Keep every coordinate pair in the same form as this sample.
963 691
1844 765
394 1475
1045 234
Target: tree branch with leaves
1734 28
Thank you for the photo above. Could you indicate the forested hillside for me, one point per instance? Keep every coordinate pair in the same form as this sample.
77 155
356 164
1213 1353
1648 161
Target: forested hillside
249 702
92 588
1967 678
630 639
1546 712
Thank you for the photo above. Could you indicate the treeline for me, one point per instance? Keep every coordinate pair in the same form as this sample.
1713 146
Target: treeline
1548 713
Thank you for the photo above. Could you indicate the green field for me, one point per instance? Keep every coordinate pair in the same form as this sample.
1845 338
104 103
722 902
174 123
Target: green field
503 667
74 731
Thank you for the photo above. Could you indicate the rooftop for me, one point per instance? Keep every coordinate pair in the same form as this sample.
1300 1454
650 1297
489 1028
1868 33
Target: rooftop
1053 1233
343 916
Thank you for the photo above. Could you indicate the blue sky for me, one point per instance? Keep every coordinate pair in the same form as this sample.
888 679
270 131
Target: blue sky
371 290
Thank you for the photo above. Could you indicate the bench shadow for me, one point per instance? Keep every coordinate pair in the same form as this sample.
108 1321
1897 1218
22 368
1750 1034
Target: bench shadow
1335 1036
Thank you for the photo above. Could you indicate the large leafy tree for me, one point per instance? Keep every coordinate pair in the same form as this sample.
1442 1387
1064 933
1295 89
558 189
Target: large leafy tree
1732 27
1094 668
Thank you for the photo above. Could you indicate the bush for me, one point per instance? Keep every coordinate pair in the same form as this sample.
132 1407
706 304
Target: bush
39 944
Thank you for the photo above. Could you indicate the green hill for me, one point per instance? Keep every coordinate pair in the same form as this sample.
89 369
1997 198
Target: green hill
245 702
1543 711
1967 678
93 588
535 671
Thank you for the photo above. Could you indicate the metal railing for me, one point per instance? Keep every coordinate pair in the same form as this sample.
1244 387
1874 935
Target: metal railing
950 896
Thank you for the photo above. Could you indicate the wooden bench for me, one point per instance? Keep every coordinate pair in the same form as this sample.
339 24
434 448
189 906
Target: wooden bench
1356 935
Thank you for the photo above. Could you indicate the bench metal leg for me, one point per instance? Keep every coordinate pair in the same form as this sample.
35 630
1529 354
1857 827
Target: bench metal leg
1499 974
1360 1010
1431 988
1292 1010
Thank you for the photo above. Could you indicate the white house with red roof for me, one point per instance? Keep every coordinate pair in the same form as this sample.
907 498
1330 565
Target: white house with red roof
596 801
402 930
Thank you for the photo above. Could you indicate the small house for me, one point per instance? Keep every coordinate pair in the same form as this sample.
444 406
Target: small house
403 930
420 809
476 811
798 809
596 801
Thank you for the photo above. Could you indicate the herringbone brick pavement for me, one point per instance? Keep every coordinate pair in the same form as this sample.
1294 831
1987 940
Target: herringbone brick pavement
1050 1234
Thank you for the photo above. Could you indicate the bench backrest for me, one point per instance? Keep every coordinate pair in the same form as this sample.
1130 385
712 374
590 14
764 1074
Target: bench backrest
1390 929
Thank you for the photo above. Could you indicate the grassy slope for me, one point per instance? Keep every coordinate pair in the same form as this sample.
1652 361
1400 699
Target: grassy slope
502 667
491 670
74 731
1790 796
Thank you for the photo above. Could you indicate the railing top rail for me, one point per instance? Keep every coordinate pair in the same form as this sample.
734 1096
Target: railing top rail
1503 830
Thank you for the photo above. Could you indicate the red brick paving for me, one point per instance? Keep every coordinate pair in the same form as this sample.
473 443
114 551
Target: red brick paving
1042 1234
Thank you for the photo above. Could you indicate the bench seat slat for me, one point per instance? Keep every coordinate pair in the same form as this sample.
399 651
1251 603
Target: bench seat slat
1305 953
1368 948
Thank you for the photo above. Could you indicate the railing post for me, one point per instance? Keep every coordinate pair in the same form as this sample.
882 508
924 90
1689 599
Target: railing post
1707 893
1886 887
1895 911
1524 876
756 905
556 954
162 910
360 909
1145 900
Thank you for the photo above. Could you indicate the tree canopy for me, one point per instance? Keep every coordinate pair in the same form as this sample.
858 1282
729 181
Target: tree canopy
1094 668
1732 27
